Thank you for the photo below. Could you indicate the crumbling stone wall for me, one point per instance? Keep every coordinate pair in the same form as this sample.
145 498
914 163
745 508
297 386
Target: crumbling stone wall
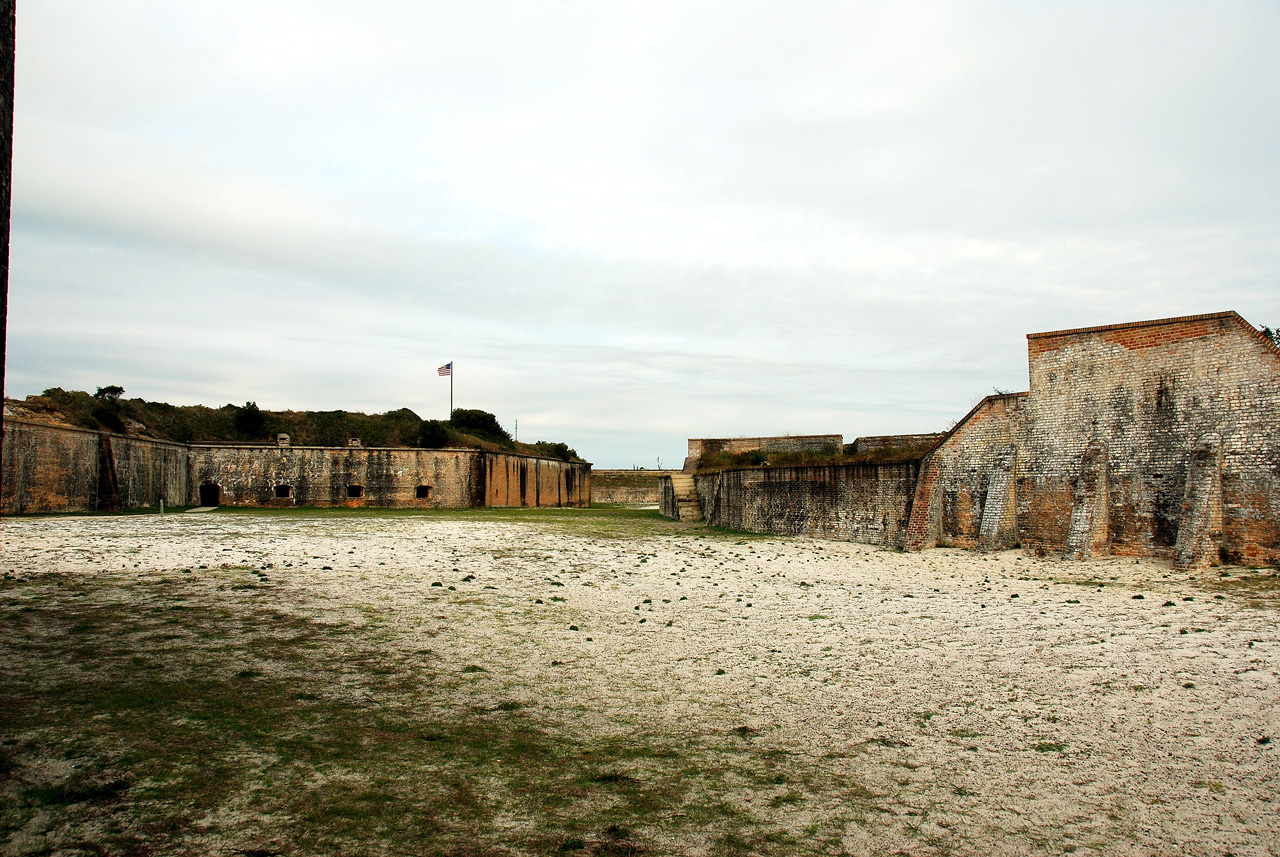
866 503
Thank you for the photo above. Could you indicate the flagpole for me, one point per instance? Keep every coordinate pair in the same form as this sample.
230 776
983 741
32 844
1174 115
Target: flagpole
451 389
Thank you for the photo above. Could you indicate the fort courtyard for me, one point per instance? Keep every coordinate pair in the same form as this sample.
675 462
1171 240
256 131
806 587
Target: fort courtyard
605 681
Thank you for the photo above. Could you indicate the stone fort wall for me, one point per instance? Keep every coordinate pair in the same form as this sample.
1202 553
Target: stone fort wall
1155 438
49 468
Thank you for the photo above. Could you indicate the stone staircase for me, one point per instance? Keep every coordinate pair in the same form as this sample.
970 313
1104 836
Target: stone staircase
686 497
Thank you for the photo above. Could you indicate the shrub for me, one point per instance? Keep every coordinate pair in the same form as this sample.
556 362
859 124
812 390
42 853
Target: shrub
561 451
434 434
250 421
481 424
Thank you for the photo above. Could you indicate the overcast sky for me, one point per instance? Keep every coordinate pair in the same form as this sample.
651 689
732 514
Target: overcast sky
627 224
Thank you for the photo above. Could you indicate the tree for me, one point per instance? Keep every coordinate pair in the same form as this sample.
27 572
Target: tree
109 394
1273 335
107 409
250 421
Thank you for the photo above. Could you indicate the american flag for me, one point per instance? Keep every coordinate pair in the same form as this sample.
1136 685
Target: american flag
446 369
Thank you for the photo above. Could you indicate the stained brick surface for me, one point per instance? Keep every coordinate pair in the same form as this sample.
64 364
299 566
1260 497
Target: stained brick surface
852 502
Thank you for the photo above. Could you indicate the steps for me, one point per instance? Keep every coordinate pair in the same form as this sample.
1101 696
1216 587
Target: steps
686 497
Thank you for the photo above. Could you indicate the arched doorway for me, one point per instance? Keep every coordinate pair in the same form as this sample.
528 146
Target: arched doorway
210 495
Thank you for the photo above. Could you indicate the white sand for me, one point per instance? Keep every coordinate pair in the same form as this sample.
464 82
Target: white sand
929 678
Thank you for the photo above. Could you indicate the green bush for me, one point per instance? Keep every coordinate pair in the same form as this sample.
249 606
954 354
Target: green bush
561 451
434 434
480 424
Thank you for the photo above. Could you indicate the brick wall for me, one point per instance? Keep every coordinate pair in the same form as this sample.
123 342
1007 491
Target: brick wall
1152 438
866 503
975 462
1148 395
324 476
1156 438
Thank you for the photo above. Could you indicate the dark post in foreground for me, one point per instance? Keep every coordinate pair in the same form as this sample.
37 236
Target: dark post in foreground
7 13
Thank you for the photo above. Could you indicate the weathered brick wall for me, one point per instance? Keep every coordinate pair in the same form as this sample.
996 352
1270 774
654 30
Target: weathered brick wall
866 503
48 469
322 476
630 487
966 480
1157 438
1140 399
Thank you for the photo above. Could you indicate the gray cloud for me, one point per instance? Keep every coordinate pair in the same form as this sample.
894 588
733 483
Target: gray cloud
628 225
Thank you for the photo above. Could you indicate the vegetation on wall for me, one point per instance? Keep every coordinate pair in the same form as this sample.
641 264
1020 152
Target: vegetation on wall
1273 335
108 410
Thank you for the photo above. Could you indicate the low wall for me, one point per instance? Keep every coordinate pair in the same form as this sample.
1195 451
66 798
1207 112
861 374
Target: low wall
627 487
885 445
867 503
48 468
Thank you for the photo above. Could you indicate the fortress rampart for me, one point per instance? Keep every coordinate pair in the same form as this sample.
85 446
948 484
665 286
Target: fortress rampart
627 487
50 468
699 447
1155 438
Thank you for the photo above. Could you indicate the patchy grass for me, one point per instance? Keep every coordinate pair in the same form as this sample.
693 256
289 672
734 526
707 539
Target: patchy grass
1256 587
255 730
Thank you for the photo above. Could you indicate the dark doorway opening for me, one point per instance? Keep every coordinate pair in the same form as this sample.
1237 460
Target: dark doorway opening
210 495
284 492
423 492
354 491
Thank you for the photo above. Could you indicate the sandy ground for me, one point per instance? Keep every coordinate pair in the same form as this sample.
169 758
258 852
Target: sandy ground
990 703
